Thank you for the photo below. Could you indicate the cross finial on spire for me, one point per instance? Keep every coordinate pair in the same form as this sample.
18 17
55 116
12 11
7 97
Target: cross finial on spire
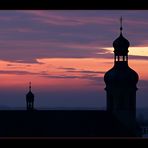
29 86
121 24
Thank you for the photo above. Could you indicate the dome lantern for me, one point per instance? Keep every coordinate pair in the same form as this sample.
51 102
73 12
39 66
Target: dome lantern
121 45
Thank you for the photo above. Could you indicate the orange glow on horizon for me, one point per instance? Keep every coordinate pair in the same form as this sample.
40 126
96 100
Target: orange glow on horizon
136 51
51 72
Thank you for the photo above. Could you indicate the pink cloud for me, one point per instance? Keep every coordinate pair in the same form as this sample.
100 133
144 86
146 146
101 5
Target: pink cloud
135 22
48 44
51 17
7 18
20 29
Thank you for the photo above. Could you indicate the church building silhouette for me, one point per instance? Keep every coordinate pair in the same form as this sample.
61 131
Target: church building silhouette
119 120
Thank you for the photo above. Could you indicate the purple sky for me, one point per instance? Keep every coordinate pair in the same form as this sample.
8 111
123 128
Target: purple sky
27 37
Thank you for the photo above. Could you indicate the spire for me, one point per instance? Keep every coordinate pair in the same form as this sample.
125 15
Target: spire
29 86
121 44
121 25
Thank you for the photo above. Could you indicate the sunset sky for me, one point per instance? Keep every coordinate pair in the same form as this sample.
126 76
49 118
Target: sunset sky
65 53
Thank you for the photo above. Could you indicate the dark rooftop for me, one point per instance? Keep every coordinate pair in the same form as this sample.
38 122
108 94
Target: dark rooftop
60 123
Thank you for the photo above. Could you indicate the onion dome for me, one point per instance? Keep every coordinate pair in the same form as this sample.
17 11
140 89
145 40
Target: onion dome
121 76
121 44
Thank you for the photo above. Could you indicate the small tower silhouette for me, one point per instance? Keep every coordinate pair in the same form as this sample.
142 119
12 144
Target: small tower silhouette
30 99
121 83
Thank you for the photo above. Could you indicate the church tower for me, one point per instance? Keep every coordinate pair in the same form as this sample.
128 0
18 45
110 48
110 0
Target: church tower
30 99
121 83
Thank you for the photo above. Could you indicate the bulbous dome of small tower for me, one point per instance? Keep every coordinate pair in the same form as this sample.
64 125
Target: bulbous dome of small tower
30 95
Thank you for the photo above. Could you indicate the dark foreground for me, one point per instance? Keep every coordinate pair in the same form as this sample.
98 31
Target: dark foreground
60 123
